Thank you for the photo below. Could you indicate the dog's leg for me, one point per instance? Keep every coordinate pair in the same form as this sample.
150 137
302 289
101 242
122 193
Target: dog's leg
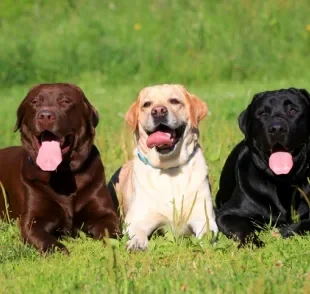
202 223
202 218
37 230
199 227
139 225
97 216
239 228
301 228
103 224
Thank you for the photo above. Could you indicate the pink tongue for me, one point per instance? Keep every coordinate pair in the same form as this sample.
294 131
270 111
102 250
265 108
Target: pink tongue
281 163
159 138
49 156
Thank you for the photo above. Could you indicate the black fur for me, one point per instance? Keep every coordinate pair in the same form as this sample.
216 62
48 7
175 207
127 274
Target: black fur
250 194
111 186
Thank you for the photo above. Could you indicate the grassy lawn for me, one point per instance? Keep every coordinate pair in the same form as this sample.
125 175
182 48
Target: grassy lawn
171 265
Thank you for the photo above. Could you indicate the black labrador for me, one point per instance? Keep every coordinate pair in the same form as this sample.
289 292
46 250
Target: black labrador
265 178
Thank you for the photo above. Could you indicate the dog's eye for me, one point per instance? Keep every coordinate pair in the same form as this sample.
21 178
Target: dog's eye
262 113
65 101
37 100
174 101
147 104
292 112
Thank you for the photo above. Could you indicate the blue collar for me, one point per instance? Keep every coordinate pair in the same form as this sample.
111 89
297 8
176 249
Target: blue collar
146 161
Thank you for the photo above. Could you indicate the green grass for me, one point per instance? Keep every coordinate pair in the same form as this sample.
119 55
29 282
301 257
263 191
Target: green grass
170 265
182 41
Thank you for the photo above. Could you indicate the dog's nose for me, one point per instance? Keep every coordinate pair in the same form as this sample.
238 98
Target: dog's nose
159 111
46 116
277 129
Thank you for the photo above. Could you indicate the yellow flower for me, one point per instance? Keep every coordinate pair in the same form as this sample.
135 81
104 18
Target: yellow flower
308 27
137 27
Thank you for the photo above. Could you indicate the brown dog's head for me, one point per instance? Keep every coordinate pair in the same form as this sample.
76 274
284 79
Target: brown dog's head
165 120
57 123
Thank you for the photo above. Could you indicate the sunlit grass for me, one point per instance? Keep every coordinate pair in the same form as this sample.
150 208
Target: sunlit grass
153 41
172 264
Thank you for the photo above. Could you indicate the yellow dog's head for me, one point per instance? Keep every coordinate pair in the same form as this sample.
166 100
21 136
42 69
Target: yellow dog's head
165 120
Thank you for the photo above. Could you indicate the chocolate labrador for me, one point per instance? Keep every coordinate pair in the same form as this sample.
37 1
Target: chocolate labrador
265 178
55 182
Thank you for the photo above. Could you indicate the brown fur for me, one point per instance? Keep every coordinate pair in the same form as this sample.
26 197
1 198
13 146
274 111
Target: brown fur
75 196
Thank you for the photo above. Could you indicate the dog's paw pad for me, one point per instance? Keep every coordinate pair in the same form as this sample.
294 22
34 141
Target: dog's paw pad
137 244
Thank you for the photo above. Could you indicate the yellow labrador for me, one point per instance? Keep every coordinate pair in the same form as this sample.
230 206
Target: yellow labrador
167 180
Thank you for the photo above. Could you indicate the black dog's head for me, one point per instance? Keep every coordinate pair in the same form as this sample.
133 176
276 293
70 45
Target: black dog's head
276 125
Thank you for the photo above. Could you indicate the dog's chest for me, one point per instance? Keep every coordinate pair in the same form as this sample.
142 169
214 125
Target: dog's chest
168 191
65 211
66 195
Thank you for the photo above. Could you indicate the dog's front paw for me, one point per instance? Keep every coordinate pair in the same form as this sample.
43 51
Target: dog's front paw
213 227
251 241
288 231
54 247
137 244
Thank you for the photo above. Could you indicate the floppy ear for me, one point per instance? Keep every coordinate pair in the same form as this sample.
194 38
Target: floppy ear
20 115
305 93
198 109
93 117
20 110
243 120
131 116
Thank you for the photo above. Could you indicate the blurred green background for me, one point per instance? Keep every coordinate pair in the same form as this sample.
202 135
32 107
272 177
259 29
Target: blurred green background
125 42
